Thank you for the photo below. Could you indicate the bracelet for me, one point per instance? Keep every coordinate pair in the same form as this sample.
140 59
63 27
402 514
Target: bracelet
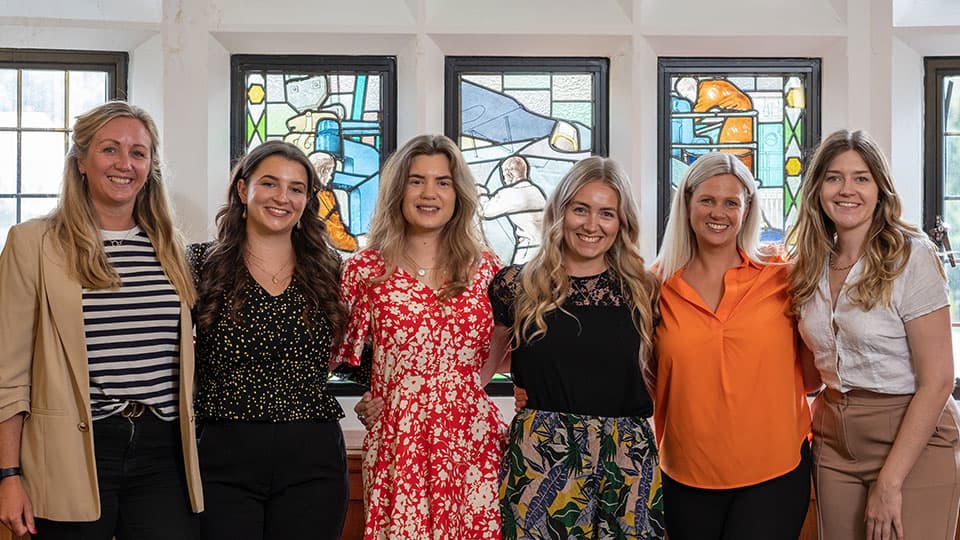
10 471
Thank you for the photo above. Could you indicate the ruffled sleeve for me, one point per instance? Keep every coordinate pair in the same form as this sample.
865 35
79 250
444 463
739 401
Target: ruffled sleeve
355 294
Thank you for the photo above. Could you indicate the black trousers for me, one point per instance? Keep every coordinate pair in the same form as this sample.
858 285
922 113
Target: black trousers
265 481
771 510
143 489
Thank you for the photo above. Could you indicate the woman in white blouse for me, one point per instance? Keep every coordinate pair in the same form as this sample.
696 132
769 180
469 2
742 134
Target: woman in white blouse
872 300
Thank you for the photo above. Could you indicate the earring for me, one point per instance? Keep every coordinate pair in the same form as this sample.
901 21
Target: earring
298 226
244 211
83 177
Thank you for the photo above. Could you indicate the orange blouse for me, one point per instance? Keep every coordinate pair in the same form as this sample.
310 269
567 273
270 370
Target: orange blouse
730 409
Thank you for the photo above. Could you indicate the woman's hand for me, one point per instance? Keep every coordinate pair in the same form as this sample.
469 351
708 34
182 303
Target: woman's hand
519 398
368 409
883 515
16 512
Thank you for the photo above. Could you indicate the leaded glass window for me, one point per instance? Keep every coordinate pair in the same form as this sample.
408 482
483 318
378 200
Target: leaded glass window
340 110
521 124
766 112
41 94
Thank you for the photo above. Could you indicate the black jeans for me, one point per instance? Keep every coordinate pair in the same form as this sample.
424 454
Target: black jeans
771 510
143 489
266 481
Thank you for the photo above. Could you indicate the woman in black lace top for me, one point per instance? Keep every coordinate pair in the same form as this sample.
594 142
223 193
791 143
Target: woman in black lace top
581 460
271 449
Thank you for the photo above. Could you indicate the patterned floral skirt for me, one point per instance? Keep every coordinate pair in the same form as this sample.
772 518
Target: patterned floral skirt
577 476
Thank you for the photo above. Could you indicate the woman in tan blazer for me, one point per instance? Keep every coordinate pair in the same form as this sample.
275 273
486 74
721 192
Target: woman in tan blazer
96 350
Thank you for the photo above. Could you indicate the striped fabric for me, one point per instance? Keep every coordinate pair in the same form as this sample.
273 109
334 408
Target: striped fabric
133 332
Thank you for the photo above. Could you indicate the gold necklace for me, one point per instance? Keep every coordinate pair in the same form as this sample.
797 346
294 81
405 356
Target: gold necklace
274 277
840 268
421 270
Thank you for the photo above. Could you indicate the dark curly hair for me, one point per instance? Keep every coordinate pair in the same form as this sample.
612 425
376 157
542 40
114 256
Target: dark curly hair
318 265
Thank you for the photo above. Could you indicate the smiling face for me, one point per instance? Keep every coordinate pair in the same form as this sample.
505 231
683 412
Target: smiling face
429 197
717 209
849 194
275 194
116 165
591 221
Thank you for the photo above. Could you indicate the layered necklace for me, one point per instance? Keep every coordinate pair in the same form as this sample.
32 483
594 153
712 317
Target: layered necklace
836 268
420 269
274 276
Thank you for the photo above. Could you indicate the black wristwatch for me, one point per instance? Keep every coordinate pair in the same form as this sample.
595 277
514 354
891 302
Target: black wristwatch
10 471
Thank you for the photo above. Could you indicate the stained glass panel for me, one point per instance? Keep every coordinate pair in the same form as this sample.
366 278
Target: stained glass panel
764 114
521 124
339 116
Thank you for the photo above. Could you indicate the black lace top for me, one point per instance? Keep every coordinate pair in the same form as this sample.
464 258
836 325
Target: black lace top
270 367
587 363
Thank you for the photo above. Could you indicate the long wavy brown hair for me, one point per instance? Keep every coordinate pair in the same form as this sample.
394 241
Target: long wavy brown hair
317 268
74 222
544 280
886 248
461 242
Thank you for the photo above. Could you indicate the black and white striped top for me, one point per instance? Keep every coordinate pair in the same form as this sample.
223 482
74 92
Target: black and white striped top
133 333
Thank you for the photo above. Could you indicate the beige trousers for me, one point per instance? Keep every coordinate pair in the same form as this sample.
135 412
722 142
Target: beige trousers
852 435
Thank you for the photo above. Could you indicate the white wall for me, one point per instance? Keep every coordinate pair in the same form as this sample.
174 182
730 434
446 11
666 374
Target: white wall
872 53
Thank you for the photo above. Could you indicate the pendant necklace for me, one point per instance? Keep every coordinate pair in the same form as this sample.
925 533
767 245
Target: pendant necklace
273 276
421 270
117 242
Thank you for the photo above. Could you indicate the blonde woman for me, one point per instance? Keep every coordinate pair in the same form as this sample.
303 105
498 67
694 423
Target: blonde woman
731 414
418 295
581 460
96 383
873 308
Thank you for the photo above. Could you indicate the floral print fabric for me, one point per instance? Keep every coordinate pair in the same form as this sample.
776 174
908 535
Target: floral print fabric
431 459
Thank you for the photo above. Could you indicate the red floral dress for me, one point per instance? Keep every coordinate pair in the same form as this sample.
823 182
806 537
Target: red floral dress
431 460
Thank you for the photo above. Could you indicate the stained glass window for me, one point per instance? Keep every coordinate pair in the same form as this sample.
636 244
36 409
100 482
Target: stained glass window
340 110
942 173
521 124
41 94
766 112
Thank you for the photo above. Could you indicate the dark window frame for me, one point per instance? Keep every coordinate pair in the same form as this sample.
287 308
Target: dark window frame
454 66
315 64
668 67
114 63
935 68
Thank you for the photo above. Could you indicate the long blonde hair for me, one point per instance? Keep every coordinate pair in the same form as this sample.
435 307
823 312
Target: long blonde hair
679 242
544 281
461 242
74 222
886 248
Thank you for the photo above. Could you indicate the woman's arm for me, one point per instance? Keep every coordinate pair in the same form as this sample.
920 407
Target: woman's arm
499 359
16 512
931 351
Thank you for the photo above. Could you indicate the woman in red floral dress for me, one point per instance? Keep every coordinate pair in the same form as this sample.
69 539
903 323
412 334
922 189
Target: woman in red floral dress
417 294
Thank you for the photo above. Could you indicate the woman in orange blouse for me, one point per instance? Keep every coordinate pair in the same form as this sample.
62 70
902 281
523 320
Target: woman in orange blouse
730 410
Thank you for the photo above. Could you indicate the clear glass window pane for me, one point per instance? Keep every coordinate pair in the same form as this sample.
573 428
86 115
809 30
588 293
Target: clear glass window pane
43 99
42 161
87 90
8 162
951 166
951 103
34 207
8 98
8 218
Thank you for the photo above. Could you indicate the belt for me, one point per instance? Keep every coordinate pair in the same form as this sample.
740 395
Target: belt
134 409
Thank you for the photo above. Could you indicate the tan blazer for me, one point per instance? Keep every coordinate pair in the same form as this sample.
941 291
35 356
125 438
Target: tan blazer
44 372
